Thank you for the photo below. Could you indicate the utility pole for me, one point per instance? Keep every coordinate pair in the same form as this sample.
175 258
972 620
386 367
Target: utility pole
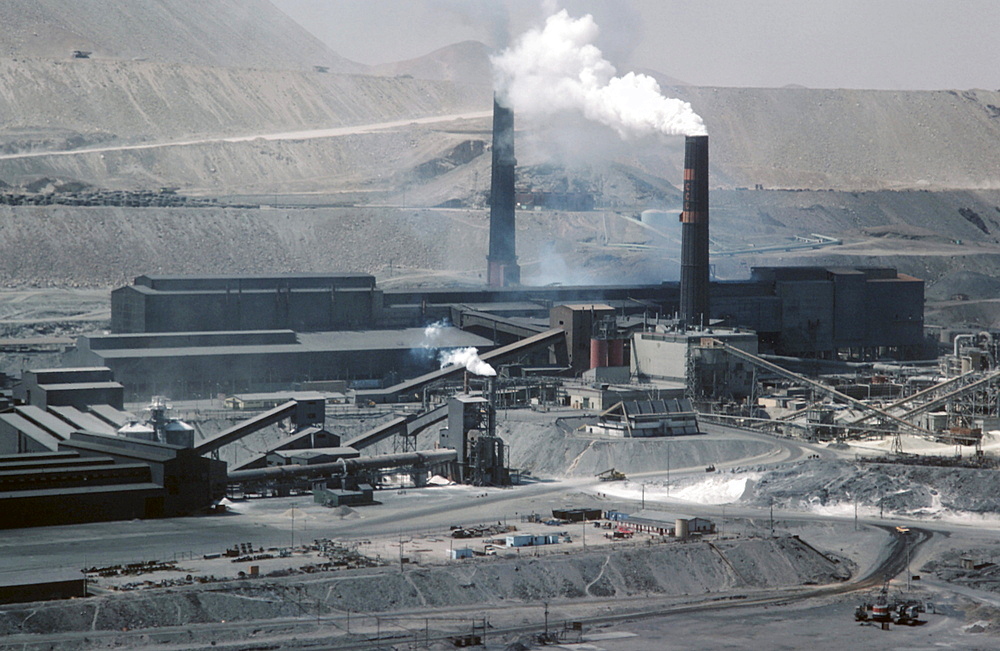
668 468
772 517
906 541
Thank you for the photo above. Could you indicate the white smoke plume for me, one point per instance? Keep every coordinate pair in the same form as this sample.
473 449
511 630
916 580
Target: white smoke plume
469 358
433 332
558 69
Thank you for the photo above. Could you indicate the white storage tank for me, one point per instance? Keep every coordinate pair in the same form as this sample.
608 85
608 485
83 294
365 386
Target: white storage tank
177 432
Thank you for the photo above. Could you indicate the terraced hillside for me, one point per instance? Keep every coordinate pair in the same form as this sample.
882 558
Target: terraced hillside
358 162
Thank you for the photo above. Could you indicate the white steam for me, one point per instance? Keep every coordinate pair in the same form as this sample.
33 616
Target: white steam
469 358
558 69
432 333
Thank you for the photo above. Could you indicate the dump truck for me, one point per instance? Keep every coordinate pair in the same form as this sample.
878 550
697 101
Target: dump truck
611 475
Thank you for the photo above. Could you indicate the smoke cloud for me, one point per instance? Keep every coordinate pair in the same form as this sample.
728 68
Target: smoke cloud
433 332
469 358
558 69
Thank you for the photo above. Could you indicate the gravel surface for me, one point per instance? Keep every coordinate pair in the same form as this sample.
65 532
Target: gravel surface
904 490
667 569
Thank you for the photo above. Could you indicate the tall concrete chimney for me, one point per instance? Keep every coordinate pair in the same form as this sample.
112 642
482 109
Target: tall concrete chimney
694 232
501 263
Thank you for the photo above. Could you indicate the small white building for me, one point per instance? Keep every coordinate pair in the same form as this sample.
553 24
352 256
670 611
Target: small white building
668 524
529 540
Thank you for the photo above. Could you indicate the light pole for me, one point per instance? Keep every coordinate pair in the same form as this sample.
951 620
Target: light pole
906 541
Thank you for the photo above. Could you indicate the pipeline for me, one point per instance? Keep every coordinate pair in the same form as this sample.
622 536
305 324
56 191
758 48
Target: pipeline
347 466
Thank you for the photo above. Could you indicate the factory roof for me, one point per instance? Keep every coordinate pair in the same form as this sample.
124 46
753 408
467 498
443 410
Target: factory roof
29 429
252 277
283 396
53 424
189 339
71 370
37 456
144 454
80 420
57 470
586 306
64 460
659 516
81 490
224 283
114 417
80 386
319 342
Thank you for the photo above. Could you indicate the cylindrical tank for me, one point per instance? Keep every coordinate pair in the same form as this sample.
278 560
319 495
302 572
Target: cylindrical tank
598 353
178 432
681 528
616 352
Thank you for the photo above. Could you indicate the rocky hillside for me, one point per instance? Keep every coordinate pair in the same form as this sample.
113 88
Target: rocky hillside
126 102
466 62
904 179
232 33
851 139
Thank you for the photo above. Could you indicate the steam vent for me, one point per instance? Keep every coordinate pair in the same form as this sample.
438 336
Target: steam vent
694 232
502 269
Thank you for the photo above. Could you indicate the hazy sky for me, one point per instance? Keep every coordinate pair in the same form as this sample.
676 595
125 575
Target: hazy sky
886 44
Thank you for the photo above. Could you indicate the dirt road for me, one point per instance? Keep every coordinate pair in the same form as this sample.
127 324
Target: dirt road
310 134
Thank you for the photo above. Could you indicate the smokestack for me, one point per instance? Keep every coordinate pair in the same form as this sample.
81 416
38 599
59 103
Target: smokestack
694 232
502 269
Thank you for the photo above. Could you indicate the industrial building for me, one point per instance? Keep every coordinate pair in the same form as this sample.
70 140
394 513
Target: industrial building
202 364
198 336
65 487
304 302
664 524
72 387
686 358
812 312
647 418
81 458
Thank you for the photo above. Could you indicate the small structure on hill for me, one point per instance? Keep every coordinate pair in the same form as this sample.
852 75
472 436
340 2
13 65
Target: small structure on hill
647 418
